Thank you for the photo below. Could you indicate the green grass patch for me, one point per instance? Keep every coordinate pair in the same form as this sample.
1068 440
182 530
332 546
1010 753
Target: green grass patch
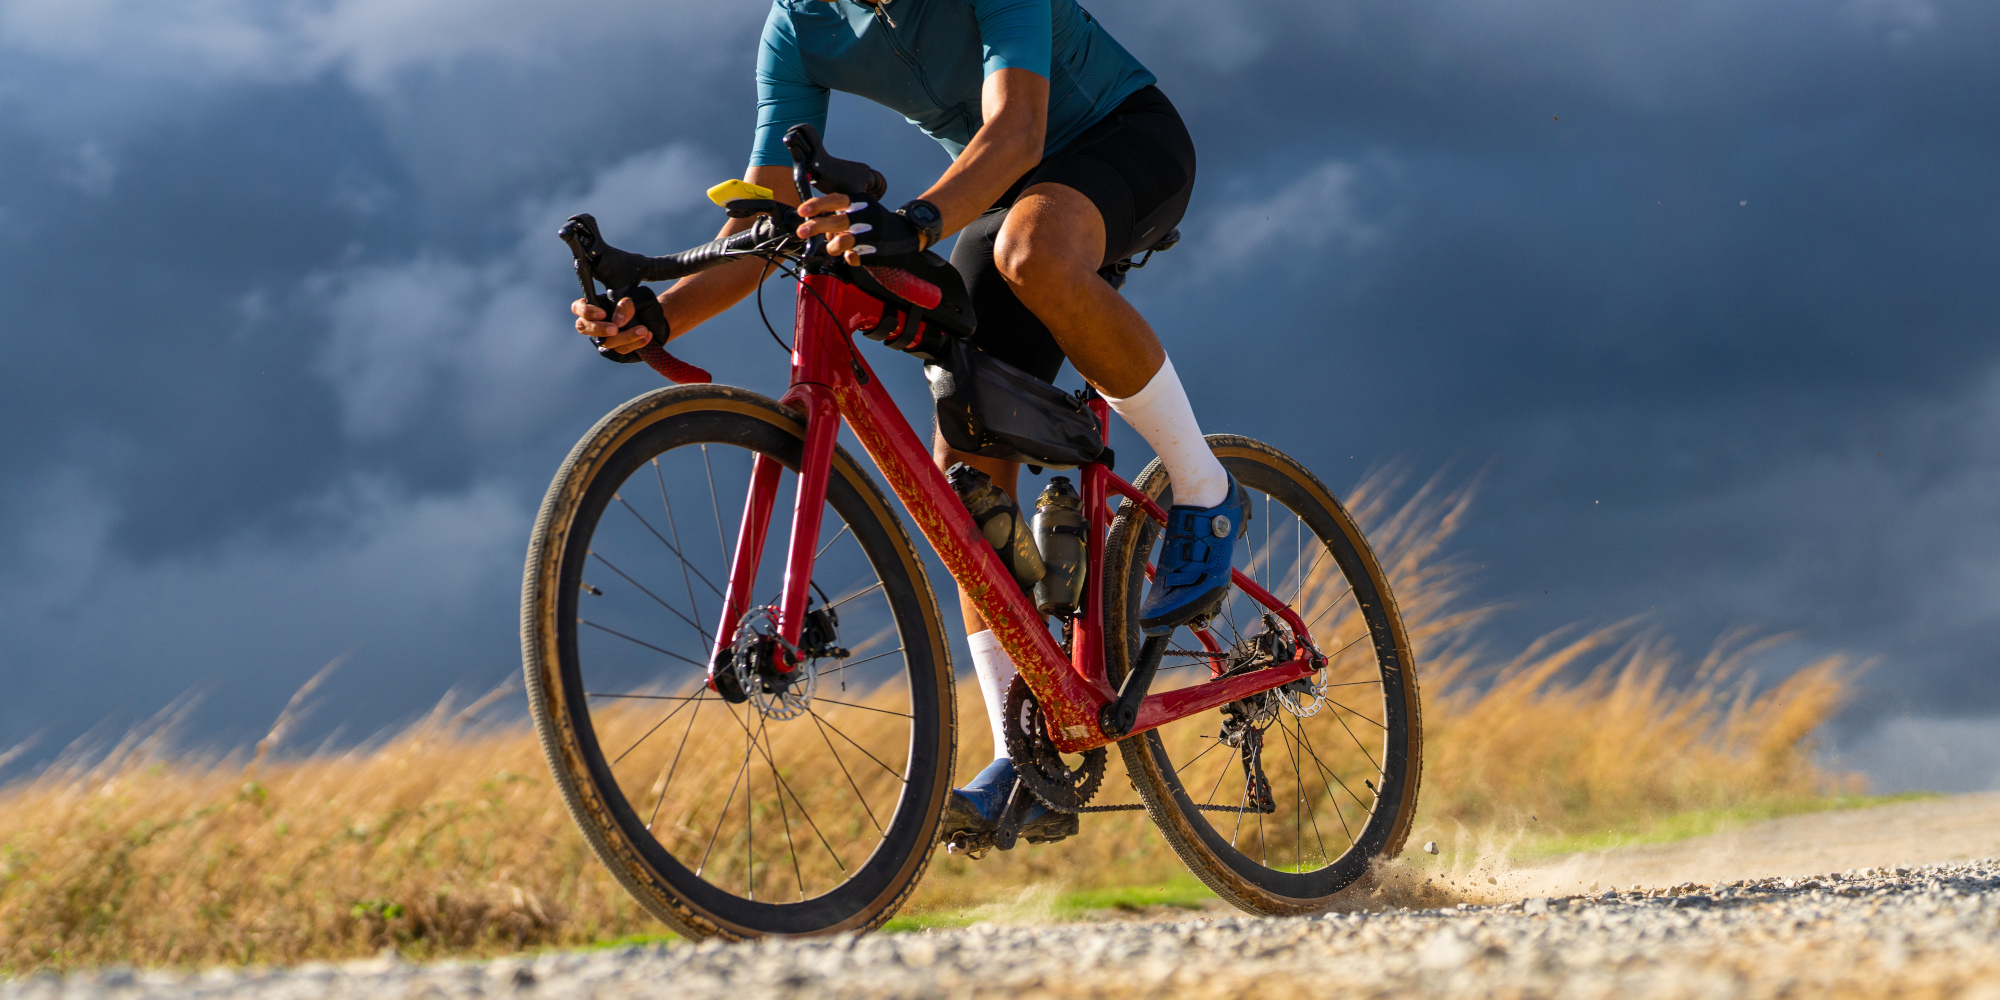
1184 893
1702 822
633 941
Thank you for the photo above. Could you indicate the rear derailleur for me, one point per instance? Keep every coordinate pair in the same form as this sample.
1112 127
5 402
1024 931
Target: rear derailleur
1041 778
1243 726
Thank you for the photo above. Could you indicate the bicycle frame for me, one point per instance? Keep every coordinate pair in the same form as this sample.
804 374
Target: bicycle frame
832 383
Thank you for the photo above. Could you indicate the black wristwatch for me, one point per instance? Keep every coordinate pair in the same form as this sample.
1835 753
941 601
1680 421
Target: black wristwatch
928 220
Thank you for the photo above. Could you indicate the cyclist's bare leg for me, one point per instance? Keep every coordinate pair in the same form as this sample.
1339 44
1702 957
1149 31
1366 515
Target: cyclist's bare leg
1049 251
1007 476
995 671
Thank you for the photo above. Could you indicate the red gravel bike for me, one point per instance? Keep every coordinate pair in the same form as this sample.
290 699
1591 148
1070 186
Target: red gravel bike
752 718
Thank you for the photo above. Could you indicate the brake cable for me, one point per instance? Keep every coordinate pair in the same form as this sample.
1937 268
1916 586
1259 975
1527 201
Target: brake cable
769 265
853 355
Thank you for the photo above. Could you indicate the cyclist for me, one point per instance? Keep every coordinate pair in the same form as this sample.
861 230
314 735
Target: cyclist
1066 158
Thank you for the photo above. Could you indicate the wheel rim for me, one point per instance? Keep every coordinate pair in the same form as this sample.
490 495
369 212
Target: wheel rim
769 824
1336 762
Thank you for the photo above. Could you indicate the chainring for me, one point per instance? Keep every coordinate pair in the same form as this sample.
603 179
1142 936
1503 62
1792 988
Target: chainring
1040 764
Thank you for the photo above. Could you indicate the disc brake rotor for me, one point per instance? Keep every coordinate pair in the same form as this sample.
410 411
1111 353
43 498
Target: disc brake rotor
1038 762
777 695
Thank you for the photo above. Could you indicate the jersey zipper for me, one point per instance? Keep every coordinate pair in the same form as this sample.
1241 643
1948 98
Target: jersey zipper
896 46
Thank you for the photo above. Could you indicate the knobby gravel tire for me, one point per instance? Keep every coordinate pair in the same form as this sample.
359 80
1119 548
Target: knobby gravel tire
666 887
1234 876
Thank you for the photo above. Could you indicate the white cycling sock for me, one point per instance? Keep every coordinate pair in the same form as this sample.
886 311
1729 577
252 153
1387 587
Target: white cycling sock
996 674
1161 414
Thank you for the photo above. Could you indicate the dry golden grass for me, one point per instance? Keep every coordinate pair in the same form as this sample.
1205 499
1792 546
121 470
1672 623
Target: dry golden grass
450 838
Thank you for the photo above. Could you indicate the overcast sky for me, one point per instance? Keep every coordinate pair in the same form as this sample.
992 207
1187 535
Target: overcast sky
1706 290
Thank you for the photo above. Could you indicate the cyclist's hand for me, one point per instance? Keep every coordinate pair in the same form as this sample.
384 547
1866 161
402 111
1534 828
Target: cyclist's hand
856 230
827 215
590 322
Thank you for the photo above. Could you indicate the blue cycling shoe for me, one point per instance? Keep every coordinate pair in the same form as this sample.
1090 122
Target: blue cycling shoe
1193 572
975 809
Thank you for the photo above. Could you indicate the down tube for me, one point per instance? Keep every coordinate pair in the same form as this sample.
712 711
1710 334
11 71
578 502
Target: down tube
1070 701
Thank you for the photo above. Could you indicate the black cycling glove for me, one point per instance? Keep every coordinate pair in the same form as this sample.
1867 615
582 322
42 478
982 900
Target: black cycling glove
877 230
646 312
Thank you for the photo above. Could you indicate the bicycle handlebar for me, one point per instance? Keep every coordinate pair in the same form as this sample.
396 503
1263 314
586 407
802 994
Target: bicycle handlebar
623 273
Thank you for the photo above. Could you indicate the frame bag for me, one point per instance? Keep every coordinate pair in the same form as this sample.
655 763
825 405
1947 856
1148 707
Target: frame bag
986 406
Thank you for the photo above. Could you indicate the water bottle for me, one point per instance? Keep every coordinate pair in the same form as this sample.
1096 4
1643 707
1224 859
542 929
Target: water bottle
1060 535
999 519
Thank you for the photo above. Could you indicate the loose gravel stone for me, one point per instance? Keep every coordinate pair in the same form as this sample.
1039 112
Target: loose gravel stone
1932 931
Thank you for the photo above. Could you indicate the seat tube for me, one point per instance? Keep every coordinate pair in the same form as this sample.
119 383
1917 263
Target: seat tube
822 429
749 553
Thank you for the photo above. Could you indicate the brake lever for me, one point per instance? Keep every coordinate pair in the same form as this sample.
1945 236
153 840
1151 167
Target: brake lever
813 166
580 232
587 247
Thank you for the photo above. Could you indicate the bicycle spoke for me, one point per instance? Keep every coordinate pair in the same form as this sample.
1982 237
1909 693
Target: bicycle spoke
1299 557
1263 839
1349 645
1298 809
878 585
1212 789
1325 772
1299 771
1204 753
830 541
1327 782
835 754
778 790
661 478
1357 742
656 598
1267 542
698 869
1357 715
650 732
1299 593
668 781
844 664
864 750
715 505
803 813
648 697
1329 606
686 567
1241 808
865 708
639 642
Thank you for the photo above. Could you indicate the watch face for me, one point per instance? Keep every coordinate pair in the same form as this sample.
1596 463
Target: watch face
925 215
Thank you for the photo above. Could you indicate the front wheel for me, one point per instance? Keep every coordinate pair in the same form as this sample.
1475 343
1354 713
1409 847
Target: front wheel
812 805
1281 801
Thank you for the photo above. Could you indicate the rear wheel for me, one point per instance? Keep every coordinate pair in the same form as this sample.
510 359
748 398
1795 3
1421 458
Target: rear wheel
813 806
1340 756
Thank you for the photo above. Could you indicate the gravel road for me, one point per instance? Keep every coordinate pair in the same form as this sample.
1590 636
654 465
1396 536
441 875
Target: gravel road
1929 930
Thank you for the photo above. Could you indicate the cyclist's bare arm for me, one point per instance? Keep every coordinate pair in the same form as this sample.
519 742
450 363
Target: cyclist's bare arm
697 298
1015 105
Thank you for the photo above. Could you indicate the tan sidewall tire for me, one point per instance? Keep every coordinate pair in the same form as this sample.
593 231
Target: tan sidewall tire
541 661
1142 760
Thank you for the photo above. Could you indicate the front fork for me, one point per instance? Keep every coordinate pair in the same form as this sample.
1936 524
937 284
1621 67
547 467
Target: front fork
815 467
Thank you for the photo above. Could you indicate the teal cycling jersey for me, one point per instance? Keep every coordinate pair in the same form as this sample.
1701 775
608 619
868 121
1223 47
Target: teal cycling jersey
931 65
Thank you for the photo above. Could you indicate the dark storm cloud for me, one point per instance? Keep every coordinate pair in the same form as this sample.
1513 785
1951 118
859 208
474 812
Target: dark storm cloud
286 373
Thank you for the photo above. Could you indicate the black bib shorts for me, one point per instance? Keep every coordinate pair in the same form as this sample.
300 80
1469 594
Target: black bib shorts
1136 165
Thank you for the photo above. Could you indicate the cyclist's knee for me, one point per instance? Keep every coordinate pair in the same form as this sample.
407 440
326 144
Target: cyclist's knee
1028 261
